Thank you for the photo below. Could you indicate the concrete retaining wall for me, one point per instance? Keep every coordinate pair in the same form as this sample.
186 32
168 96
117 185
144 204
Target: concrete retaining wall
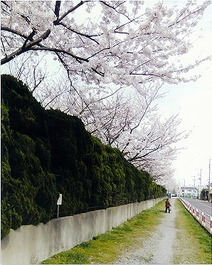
32 244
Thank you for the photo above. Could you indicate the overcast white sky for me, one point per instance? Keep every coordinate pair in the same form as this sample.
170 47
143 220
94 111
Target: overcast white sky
193 101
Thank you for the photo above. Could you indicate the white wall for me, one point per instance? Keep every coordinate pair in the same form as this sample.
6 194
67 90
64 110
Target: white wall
33 244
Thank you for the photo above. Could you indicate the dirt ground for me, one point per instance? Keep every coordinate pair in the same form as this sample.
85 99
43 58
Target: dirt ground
163 245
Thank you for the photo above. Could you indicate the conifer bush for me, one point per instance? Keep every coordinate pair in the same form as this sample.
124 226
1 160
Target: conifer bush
47 152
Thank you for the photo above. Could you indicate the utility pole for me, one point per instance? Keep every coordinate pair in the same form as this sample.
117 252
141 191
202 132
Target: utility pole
209 181
184 188
194 181
194 192
200 182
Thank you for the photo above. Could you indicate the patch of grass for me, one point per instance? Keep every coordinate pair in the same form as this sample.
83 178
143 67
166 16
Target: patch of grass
107 247
193 243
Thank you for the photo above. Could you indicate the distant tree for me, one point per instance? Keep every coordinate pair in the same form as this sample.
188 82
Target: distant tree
204 194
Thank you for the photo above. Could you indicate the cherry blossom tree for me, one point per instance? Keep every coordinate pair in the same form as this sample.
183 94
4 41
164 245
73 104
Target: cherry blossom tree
116 55
120 43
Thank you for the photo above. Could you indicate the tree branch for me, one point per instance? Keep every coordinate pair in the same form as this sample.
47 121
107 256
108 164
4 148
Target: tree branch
56 50
14 31
57 9
30 37
81 34
56 22
115 8
25 47
33 43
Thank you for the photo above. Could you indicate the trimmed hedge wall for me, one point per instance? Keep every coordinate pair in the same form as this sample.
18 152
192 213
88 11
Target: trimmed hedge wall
47 152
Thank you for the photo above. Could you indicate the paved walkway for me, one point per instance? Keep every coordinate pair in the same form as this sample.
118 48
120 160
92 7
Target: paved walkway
158 249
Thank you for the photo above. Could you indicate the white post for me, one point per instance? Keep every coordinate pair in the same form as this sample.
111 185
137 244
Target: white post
58 210
203 219
59 202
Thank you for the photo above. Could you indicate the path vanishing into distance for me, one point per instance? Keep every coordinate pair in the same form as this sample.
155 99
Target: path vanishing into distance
169 238
166 245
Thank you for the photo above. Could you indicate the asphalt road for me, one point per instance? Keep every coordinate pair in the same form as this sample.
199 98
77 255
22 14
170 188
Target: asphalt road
204 206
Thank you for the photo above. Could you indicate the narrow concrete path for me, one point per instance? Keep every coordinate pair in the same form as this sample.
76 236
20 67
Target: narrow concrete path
158 249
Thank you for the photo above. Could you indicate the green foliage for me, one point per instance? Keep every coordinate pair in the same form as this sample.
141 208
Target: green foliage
49 152
28 188
204 194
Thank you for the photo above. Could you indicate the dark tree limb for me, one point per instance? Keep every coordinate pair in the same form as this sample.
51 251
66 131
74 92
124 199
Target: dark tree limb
14 32
56 22
25 47
57 8
30 37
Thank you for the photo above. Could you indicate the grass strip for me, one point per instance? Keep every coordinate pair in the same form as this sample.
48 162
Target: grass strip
193 243
107 247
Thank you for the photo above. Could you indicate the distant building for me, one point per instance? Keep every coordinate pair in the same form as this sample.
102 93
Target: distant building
188 192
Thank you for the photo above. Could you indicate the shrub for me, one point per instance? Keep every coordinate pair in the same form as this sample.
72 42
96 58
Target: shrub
45 153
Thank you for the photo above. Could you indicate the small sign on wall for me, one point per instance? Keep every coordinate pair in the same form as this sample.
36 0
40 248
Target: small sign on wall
59 201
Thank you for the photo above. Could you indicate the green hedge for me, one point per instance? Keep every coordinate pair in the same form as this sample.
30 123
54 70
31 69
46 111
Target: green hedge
47 152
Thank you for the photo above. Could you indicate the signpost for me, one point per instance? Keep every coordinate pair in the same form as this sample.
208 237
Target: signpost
59 202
